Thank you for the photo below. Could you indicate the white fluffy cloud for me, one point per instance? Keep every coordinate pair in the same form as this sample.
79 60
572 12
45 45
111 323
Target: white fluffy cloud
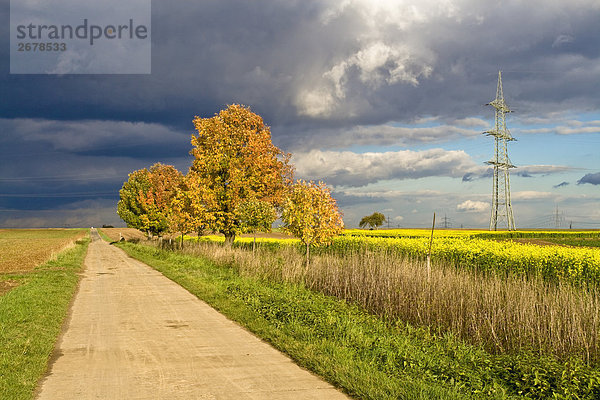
377 58
347 168
472 206
569 127
531 195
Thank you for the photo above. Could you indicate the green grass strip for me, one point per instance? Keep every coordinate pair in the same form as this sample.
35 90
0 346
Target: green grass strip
350 348
364 355
31 316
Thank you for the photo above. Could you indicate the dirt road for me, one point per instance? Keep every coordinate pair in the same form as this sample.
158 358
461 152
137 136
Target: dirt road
134 334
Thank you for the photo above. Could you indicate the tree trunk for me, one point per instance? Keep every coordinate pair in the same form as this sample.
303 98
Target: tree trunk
181 240
229 238
254 243
307 254
149 236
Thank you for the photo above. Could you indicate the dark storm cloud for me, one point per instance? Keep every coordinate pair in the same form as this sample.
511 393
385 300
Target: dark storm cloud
526 171
323 74
593 179
97 137
49 164
347 200
562 184
85 213
356 63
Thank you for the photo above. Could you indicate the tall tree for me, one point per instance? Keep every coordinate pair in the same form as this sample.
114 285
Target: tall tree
234 161
311 214
131 206
145 199
256 216
374 220
188 212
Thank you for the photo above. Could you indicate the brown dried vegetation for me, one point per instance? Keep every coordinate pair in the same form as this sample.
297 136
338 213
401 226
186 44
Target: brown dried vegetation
21 250
502 314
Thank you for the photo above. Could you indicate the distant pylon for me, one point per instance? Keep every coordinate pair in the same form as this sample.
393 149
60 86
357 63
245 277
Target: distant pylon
501 205
447 223
558 218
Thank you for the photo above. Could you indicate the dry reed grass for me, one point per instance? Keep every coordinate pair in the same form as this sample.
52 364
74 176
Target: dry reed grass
502 314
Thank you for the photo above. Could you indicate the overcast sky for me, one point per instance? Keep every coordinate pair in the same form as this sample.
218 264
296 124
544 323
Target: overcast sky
383 100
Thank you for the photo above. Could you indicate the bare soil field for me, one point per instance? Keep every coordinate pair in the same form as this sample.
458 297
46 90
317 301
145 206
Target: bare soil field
128 233
21 250
5 286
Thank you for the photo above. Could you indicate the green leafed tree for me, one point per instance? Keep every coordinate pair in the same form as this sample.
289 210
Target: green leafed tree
131 205
145 199
311 214
255 216
374 220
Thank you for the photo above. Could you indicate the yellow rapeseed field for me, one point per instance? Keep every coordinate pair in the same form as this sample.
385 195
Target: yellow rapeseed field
467 249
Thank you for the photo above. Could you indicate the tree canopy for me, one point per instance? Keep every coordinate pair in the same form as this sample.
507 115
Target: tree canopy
235 161
131 205
188 211
255 216
311 214
145 199
374 220
238 183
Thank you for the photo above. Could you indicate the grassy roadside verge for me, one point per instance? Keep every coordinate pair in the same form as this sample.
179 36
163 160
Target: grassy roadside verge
103 236
31 316
347 346
361 353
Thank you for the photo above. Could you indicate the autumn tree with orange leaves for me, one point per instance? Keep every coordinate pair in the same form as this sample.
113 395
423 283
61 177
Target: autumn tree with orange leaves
311 214
188 211
235 161
145 199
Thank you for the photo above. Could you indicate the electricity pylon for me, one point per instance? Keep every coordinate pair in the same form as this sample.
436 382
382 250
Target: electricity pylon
501 206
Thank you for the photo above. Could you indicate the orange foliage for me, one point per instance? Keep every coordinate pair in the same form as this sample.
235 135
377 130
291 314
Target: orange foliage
234 161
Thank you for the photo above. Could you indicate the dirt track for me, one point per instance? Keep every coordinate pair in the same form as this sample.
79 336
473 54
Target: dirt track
134 334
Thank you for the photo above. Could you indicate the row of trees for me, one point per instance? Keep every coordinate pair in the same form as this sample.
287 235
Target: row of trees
238 182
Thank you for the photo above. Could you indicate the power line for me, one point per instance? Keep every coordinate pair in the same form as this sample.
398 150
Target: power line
501 204
60 177
446 221
58 195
